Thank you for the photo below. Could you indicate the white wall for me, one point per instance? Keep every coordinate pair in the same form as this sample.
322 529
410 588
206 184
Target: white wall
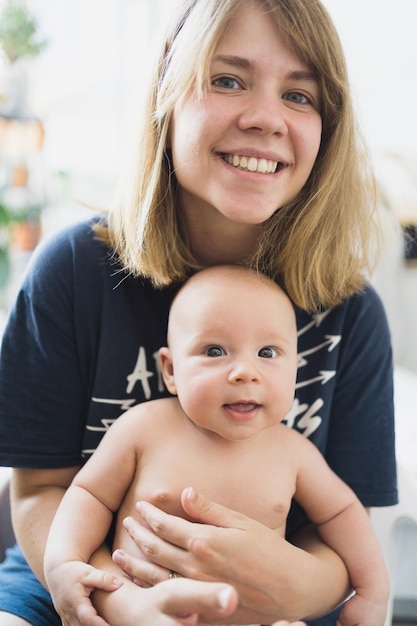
380 44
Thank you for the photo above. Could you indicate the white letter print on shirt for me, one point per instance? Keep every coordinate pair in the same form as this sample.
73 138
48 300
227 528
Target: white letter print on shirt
140 373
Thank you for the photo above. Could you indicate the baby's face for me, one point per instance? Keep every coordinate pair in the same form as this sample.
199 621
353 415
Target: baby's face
234 350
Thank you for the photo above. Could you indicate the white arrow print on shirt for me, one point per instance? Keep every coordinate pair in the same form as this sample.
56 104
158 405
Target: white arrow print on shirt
324 377
316 321
124 404
101 429
330 343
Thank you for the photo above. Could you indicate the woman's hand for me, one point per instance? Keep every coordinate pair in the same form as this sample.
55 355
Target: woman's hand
274 579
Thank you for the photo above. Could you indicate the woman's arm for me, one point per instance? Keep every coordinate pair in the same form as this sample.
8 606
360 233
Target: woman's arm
274 579
35 497
331 585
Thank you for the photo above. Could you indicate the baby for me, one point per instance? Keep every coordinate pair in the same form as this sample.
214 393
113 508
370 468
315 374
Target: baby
230 365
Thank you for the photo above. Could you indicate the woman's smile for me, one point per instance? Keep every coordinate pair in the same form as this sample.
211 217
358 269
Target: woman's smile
253 163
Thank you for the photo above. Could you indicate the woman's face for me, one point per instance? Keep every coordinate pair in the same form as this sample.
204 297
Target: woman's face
248 146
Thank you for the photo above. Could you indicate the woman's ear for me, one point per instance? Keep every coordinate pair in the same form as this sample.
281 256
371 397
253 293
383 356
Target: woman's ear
167 369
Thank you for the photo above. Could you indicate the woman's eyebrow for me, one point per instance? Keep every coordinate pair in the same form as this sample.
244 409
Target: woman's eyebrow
244 63
232 60
303 75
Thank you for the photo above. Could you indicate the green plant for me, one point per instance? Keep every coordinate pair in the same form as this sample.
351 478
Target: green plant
18 29
5 217
4 246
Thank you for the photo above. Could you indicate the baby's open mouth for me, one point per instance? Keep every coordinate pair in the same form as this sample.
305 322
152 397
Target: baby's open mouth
242 407
253 164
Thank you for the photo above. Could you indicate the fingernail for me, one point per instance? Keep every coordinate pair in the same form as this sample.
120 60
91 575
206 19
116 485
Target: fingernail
118 554
224 597
127 522
190 494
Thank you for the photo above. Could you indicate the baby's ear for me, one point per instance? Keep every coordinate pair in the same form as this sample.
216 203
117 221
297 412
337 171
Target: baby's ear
167 369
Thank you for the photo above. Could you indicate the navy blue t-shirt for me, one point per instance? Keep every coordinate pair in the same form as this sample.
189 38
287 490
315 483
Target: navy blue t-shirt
81 344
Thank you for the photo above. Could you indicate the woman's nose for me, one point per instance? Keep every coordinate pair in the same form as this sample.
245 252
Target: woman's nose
265 113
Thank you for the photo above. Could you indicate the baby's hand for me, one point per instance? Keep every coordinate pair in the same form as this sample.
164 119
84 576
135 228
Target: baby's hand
71 585
362 611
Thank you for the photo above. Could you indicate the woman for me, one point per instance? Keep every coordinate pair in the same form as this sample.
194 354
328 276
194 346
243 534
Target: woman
248 154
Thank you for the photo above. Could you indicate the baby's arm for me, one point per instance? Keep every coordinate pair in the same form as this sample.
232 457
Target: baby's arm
351 535
82 523
78 529
344 525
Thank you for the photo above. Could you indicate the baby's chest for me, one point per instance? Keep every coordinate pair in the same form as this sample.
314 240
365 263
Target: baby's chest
260 490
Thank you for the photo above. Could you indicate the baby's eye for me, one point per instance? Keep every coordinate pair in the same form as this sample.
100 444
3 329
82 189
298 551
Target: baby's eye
267 352
226 82
214 351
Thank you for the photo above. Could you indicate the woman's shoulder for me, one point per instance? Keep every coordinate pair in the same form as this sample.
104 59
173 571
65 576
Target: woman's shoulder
364 307
76 240
364 313
73 258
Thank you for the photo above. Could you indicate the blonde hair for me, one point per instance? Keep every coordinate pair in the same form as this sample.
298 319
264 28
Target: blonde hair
321 246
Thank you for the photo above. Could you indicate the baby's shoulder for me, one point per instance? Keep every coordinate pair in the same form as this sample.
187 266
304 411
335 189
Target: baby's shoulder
292 437
152 413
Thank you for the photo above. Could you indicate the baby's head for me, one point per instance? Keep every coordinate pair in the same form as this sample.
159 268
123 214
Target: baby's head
235 289
232 340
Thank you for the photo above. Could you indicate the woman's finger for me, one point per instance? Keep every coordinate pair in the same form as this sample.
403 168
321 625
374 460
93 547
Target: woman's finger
206 511
143 573
176 530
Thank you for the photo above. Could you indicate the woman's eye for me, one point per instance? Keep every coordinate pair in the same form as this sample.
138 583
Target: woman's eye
214 351
297 98
226 82
267 352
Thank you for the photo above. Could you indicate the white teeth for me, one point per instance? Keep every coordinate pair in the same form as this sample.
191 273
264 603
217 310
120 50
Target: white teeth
252 164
